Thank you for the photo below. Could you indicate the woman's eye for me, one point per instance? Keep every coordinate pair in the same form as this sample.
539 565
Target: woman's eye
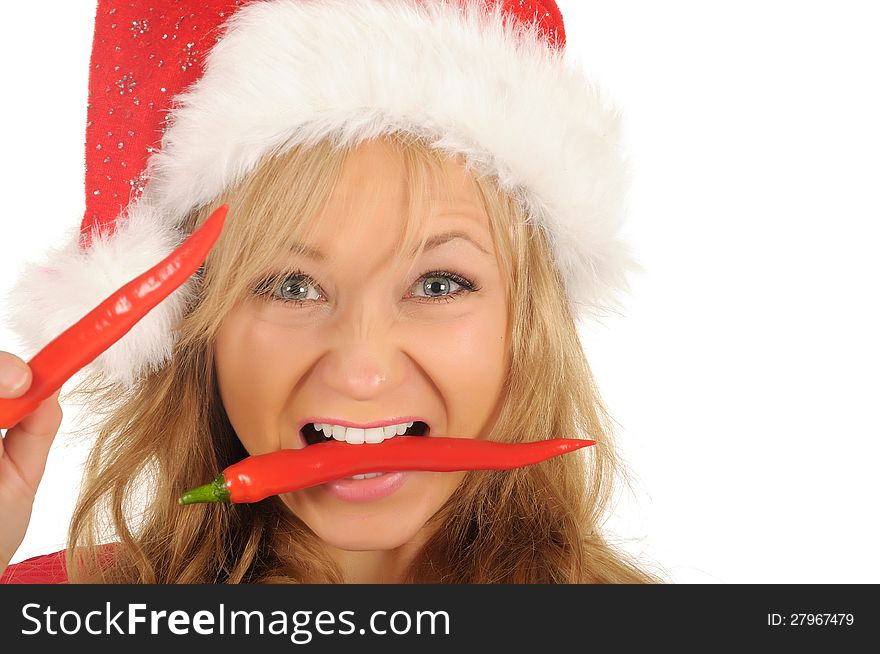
441 285
292 288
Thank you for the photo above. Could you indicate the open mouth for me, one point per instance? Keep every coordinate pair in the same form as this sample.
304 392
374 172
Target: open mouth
311 435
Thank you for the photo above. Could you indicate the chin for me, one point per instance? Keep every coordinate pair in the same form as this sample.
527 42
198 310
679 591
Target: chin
376 526
383 529
366 534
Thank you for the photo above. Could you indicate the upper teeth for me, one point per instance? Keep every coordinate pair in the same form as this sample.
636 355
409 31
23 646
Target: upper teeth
357 436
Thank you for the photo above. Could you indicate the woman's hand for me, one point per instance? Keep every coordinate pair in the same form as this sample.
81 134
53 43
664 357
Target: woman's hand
23 453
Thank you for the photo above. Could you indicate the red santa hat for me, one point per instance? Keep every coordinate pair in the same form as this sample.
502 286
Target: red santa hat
186 97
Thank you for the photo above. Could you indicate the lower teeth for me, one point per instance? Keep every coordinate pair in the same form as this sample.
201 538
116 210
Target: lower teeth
368 475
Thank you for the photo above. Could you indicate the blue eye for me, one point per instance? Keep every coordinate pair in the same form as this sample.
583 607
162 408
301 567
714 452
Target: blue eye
290 287
298 288
442 285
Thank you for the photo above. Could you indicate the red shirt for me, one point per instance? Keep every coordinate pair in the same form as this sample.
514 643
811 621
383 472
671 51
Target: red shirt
45 569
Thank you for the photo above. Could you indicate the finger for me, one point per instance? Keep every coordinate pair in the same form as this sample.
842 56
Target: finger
27 444
15 376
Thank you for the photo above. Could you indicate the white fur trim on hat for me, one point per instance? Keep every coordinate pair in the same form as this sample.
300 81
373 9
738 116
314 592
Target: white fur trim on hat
48 298
291 72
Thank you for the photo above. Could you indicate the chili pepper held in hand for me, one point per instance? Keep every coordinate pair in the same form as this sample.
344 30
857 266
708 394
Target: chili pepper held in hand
260 476
81 344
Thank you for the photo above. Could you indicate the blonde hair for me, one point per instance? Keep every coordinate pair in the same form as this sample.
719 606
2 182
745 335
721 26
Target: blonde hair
539 524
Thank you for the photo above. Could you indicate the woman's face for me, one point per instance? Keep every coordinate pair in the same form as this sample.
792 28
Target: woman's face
353 341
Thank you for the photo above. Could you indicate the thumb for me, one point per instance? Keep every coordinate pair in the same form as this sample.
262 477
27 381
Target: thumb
15 376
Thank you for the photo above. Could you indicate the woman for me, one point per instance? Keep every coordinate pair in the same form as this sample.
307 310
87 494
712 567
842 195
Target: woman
401 257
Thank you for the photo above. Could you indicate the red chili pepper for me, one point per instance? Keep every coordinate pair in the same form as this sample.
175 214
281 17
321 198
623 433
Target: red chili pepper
260 476
81 344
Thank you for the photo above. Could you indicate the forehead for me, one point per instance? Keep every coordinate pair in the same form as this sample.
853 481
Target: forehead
374 189
386 201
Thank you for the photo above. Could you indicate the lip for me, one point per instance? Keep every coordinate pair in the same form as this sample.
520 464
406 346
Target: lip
366 425
366 490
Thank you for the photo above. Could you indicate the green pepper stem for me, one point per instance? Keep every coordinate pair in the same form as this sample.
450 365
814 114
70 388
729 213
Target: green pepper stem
216 491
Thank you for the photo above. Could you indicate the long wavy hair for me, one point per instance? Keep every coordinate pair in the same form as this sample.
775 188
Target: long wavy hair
169 432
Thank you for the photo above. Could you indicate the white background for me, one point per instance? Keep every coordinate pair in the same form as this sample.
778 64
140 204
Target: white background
743 375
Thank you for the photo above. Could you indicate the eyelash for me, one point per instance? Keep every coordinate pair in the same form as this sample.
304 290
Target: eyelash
269 285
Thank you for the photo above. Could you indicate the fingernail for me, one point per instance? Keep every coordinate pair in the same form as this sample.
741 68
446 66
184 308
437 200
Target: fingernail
12 378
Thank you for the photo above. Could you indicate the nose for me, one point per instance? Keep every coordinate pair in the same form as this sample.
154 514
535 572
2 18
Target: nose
364 359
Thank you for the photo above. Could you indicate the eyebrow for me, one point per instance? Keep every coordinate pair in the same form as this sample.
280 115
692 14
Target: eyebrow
435 241
439 239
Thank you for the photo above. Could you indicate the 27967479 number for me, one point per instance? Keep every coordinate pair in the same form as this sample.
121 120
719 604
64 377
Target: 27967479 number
810 619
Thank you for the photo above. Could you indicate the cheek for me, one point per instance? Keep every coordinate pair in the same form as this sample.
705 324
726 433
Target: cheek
467 359
255 372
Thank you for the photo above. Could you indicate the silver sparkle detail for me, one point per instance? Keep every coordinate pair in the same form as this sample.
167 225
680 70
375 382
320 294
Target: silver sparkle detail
138 183
140 26
189 56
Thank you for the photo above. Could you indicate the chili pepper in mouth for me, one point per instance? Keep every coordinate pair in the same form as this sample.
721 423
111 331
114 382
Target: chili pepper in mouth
260 476
81 343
